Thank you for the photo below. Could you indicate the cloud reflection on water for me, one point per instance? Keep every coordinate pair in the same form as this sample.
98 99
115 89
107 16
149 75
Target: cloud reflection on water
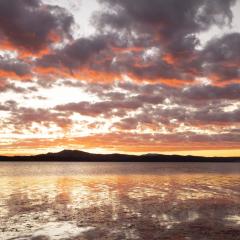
137 206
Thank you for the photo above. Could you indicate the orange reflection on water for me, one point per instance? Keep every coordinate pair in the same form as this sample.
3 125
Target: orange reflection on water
132 206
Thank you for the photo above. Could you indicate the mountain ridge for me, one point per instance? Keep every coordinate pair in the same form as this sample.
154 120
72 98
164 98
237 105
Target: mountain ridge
82 156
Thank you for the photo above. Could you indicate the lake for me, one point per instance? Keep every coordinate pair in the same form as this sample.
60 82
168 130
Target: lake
115 201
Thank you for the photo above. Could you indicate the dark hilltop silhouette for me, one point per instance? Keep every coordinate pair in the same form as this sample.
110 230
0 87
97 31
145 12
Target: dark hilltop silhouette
81 156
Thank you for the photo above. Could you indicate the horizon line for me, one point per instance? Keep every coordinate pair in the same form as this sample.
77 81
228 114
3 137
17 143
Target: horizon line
173 153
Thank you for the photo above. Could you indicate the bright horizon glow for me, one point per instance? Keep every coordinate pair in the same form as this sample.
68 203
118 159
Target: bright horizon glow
201 153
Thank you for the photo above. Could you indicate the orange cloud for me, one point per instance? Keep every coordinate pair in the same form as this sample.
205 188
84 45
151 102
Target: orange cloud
13 75
82 73
24 53
115 142
168 58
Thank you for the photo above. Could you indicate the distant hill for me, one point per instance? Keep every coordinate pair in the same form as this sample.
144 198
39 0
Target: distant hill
80 156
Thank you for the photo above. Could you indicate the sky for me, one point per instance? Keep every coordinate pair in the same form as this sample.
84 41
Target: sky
128 76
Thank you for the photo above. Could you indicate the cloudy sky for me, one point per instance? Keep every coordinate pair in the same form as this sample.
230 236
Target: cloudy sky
120 76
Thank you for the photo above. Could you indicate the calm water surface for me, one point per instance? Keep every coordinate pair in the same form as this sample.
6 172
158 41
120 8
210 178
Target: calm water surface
74 201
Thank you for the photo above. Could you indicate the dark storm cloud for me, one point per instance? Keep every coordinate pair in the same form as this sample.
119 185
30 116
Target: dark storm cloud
15 66
8 105
160 105
3 108
152 41
224 49
94 109
167 20
221 57
135 65
157 93
25 117
169 26
209 92
74 55
169 17
29 24
127 124
125 33
213 115
12 87
171 119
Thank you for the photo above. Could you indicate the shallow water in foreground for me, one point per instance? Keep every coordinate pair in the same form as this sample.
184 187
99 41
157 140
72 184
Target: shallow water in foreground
74 201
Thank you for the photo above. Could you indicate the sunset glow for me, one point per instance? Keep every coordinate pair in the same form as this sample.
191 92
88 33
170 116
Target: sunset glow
120 76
